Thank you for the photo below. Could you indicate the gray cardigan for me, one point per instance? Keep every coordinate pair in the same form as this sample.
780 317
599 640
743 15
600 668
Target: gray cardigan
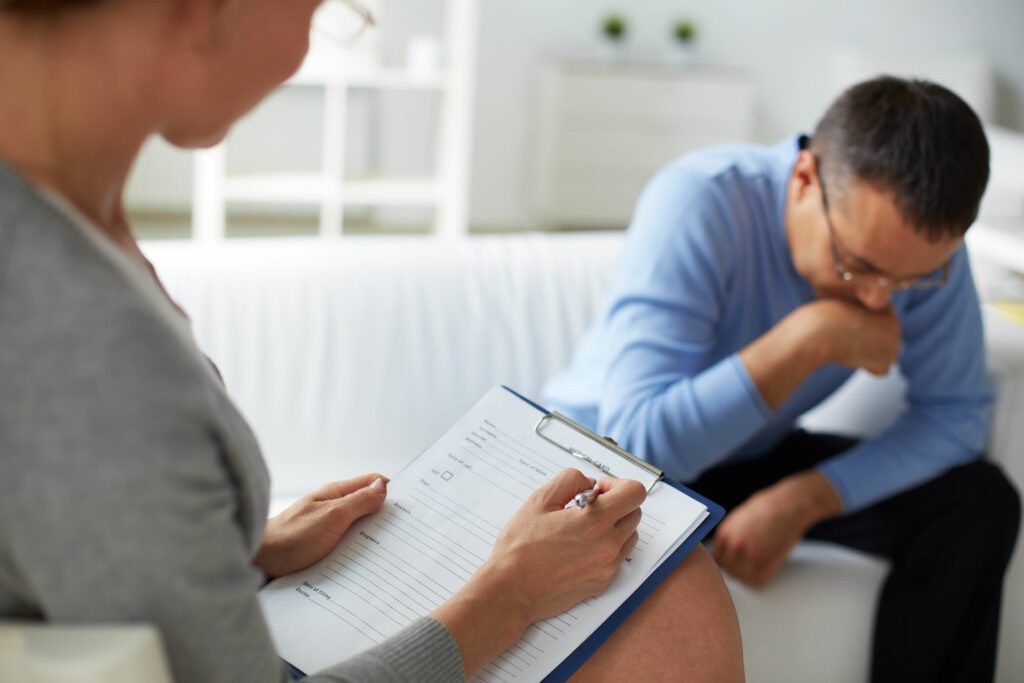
131 489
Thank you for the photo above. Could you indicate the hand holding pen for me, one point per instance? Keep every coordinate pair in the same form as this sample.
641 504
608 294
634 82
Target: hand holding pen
546 560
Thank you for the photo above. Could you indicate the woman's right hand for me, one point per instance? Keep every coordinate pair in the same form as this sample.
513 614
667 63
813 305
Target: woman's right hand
551 557
546 559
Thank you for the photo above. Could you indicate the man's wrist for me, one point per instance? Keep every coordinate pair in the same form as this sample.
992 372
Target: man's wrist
780 360
814 333
813 495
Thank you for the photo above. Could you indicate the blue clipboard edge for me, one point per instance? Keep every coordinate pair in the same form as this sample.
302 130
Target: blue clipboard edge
575 660
535 405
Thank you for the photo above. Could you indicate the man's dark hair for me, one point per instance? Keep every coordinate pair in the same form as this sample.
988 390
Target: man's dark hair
912 138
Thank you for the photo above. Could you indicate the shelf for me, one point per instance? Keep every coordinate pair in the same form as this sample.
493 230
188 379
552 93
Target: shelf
309 188
332 188
393 192
317 73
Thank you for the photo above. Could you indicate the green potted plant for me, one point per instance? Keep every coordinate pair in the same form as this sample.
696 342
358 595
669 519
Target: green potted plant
614 27
684 35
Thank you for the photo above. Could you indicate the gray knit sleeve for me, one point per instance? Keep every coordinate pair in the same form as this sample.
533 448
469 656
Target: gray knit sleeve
423 651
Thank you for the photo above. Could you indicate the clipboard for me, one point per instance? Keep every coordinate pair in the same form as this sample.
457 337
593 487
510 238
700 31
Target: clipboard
567 666
575 660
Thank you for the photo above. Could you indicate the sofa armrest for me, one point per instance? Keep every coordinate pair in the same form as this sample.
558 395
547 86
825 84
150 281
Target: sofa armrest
1005 341
48 653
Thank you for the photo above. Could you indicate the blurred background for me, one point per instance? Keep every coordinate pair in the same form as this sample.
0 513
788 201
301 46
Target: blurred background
467 116
323 258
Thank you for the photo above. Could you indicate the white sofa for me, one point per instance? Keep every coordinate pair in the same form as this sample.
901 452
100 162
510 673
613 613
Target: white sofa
32 652
354 355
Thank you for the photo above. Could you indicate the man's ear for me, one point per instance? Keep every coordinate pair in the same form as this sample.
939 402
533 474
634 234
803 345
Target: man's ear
805 174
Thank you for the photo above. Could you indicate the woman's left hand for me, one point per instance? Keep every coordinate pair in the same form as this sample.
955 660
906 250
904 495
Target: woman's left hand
308 530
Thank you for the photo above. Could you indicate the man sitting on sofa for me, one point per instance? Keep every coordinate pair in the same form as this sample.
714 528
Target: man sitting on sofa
753 282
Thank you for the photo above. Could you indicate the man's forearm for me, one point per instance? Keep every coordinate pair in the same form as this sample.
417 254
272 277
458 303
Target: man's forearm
782 359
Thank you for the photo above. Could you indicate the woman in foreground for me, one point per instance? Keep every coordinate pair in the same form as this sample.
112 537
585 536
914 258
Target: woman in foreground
130 487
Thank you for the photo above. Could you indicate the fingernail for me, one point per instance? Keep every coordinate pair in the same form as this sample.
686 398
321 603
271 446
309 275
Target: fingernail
379 484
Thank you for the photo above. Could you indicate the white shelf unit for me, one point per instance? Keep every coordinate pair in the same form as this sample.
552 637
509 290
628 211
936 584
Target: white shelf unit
447 191
606 128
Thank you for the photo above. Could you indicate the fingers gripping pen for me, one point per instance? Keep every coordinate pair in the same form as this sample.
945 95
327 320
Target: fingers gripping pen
584 499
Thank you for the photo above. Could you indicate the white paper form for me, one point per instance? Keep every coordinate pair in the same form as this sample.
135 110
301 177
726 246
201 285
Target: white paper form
438 524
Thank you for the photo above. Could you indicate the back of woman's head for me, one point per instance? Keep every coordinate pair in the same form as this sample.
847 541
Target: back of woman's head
43 7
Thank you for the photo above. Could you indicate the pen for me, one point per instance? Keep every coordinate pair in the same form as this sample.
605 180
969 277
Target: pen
584 499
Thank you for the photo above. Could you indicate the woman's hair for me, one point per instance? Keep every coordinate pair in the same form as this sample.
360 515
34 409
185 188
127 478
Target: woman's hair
43 7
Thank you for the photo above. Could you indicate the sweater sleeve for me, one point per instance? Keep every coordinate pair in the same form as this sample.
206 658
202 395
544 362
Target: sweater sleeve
423 651
667 397
946 421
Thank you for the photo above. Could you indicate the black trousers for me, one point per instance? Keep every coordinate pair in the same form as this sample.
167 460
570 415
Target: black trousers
948 540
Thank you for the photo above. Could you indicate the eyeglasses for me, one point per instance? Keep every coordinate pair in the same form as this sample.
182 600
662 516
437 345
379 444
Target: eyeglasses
335 21
870 277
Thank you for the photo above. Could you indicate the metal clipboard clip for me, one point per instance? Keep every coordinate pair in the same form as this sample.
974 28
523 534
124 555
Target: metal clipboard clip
605 442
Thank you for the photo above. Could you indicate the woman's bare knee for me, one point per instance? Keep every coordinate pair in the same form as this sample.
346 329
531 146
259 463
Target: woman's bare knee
687 630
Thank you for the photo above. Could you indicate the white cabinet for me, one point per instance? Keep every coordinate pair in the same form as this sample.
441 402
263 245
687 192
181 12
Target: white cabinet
605 129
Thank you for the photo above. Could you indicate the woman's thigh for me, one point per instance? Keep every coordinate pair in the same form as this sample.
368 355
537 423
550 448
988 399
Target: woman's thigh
685 630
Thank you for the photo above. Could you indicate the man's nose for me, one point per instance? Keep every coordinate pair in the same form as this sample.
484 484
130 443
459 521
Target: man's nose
874 298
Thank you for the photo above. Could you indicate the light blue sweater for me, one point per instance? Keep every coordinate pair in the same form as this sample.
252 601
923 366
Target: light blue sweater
705 271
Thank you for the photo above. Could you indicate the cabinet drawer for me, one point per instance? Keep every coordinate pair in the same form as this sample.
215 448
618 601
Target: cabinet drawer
619 97
605 131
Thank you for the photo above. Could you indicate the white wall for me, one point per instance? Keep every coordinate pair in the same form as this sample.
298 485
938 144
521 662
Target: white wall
788 47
